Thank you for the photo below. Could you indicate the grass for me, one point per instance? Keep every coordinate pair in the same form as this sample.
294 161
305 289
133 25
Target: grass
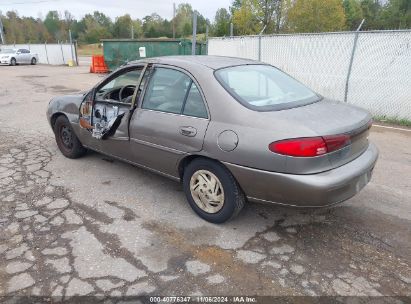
394 121
90 49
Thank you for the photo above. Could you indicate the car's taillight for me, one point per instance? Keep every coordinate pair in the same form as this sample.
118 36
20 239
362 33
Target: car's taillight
310 146
336 142
301 147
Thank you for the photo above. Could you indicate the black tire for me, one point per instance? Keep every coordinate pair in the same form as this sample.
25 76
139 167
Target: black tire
234 198
13 61
66 139
33 61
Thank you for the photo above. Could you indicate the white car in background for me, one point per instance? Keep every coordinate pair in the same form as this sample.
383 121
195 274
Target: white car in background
17 56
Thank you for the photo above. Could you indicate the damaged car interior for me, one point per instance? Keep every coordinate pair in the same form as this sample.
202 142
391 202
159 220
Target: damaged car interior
104 108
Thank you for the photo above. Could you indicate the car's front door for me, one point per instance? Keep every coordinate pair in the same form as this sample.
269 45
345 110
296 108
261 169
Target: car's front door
171 119
20 56
105 115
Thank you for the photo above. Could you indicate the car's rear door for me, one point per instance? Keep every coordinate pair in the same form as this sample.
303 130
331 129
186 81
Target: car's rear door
170 121
27 56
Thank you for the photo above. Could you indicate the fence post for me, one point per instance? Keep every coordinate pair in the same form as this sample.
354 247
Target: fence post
357 33
75 50
206 38
259 42
62 53
47 55
71 47
194 41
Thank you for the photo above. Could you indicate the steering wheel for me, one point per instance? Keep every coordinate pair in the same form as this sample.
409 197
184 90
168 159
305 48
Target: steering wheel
120 94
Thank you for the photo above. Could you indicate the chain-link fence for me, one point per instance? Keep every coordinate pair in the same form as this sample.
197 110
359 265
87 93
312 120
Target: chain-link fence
369 69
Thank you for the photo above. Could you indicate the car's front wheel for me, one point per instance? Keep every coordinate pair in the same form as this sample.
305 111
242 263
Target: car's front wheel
33 61
13 61
66 139
212 191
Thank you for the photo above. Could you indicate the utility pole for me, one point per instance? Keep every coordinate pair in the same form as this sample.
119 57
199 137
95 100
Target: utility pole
194 41
231 29
3 39
132 30
174 21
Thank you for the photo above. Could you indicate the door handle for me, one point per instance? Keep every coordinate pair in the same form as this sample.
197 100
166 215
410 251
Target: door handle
188 131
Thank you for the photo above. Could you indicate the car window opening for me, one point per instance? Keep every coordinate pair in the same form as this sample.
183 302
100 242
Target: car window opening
171 91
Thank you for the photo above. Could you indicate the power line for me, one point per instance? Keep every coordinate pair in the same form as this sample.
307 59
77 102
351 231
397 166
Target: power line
33 2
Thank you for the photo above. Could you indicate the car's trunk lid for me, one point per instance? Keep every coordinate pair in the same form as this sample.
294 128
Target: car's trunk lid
325 118
328 117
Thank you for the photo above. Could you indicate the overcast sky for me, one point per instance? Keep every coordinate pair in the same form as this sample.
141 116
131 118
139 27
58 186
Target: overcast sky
113 8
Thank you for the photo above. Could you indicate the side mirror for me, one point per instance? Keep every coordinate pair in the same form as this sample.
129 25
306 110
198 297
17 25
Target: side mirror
18 52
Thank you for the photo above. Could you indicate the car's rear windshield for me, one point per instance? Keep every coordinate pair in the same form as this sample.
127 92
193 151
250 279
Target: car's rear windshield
7 51
264 88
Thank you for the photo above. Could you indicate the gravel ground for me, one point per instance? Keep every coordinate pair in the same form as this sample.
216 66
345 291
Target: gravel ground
95 226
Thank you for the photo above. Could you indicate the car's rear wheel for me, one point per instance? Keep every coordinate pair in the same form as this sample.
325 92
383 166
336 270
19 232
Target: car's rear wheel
13 61
66 139
33 61
212 191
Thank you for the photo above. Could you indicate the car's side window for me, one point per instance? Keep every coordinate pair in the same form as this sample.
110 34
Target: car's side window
194 105
173 91
166 91
120 88
26 51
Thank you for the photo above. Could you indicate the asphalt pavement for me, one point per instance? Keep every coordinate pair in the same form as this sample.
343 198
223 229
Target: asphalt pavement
97 226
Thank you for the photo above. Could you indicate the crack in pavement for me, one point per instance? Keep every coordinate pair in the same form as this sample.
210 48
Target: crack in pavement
54 245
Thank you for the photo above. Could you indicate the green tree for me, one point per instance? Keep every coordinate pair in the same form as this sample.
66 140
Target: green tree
202 23
353 14
235 6
122 27
221 26
396 14
24 29
246 20
269 14
138 28
371 10
184 20
96 27
316 16
54 25
12 28
152 26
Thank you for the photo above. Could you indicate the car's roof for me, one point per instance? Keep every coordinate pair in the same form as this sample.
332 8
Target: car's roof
212 62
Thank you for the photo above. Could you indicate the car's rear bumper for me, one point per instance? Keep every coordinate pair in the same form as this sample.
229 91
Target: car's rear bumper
313 190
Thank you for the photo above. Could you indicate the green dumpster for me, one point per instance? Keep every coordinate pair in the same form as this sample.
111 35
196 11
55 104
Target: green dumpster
120 51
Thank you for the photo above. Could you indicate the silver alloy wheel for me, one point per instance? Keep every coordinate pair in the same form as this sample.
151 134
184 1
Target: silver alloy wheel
207 191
